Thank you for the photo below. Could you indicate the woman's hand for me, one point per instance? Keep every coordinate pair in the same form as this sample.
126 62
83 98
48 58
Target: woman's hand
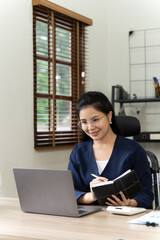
124 202
89 197
94 182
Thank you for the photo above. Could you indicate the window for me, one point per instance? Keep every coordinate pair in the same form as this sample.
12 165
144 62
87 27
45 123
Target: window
59 42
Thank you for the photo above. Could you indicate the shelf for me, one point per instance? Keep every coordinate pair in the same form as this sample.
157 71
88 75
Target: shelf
136 100
143 136
148 137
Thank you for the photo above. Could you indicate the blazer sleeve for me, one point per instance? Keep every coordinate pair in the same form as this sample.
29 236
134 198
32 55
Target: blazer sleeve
141 166
74 167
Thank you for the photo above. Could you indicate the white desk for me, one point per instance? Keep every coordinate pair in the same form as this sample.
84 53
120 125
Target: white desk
17 225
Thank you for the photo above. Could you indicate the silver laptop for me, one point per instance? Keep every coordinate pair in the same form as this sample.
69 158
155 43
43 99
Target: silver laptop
48 191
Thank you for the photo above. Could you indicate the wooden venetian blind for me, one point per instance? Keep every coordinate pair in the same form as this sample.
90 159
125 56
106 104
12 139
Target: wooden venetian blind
59 49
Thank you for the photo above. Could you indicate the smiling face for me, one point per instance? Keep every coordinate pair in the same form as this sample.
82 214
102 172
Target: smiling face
94 123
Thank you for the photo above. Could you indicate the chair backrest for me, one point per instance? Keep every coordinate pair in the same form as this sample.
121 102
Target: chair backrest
130 126
154 166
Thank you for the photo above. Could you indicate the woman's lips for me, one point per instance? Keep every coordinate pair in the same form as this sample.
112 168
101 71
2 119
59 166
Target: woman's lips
94 134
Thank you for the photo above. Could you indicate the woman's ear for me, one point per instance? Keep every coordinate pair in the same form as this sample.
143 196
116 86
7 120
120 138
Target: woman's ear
110 117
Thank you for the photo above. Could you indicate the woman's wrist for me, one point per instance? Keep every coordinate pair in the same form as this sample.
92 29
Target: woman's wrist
133 203
87 198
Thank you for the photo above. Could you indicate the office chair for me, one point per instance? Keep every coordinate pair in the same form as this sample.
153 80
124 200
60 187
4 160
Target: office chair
130 126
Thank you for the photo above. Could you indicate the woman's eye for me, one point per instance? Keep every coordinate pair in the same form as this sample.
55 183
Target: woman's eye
83 122
95 119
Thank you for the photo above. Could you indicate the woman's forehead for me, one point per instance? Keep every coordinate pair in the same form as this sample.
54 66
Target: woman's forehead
89 112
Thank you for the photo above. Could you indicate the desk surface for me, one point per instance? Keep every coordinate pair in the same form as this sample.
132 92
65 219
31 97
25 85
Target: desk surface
17 225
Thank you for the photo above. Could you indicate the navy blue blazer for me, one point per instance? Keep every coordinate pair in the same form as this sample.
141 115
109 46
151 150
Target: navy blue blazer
126 154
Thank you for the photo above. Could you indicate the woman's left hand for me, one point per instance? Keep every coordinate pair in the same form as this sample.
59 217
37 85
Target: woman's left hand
115 201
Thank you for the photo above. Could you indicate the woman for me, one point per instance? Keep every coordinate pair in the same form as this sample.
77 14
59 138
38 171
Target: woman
106 154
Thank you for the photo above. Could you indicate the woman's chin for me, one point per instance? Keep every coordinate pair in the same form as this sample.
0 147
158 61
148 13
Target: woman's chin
95 136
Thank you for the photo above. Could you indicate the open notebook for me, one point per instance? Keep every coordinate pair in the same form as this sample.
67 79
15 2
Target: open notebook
48 191
128 183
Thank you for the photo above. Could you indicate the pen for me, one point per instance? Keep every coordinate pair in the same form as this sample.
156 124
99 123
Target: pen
93 175
153 224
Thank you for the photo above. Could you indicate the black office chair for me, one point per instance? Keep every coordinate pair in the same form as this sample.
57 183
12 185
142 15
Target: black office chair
130 126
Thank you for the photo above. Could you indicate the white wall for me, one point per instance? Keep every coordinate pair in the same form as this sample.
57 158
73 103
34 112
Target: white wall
16 97
112 19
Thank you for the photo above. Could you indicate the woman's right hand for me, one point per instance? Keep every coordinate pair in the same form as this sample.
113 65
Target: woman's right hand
89 197
94 182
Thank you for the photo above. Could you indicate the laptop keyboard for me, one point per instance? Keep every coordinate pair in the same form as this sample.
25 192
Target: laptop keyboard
81 211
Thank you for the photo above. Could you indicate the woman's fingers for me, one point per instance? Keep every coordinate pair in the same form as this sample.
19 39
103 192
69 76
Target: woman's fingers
95 181
123 196
126 201
115 201
111 202
98 180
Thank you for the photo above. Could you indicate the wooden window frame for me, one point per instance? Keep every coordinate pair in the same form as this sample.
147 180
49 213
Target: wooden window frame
53 16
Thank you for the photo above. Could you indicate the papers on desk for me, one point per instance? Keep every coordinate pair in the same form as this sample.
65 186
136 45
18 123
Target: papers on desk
149 218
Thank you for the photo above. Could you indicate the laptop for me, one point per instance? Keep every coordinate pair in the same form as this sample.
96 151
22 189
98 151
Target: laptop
47 191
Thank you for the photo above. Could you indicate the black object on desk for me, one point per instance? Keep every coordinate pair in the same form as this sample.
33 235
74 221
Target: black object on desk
153 224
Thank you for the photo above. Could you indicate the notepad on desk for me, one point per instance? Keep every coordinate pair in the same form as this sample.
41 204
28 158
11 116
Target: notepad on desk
128 183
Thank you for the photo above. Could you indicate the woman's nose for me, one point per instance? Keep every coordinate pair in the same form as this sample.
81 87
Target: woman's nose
90 126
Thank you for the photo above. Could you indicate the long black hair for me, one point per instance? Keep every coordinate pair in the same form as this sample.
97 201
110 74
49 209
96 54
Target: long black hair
101 103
